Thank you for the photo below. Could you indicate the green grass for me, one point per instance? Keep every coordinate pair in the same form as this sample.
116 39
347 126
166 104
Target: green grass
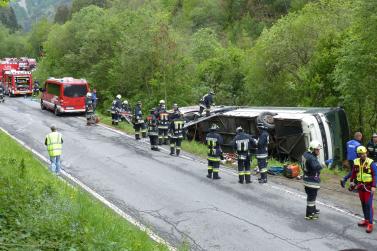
40 212
123 126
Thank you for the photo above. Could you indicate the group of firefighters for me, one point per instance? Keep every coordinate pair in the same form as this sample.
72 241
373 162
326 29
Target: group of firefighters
162 126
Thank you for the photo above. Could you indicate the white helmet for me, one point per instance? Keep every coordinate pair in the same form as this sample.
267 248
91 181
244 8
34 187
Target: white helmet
118 96
125 102
88 94
162 102
315 145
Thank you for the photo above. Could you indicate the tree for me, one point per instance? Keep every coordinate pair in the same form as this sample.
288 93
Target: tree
62 14
77 5
8 18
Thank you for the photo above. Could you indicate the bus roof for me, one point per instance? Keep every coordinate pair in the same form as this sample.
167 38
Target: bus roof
68 80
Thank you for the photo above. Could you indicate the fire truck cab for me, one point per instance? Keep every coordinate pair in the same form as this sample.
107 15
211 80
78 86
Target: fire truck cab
17 82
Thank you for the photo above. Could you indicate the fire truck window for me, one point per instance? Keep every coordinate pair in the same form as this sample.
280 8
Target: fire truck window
53 89
22 81
74 91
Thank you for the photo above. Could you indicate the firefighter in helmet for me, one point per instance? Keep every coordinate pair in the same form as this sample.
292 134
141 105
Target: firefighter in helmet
116 107
163 123
312 170
242 143
262 152
206 102
215 154
176 131
138 120
153 130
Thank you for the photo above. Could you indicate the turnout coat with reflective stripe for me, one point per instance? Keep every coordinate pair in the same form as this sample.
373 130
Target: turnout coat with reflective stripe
54 143
312 170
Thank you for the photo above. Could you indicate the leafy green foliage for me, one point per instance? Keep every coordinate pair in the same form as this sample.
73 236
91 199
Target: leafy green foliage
40 212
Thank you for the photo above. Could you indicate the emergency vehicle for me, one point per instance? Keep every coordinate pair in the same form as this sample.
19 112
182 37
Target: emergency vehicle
7 66
64 95
17 82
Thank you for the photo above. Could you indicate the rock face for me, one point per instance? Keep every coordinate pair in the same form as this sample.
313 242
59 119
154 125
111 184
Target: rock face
30 11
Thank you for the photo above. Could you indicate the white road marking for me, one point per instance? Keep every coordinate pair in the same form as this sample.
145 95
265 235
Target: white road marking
116 209
226 170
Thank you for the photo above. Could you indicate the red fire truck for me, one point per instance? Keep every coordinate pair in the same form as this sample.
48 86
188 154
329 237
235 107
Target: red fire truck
7 66
17 82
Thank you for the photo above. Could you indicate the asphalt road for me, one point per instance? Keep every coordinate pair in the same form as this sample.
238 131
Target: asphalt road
174 198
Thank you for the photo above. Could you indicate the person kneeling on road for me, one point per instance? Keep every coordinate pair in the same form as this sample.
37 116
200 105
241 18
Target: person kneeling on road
215 154
312 169
54 143
364 175
242 143
153 130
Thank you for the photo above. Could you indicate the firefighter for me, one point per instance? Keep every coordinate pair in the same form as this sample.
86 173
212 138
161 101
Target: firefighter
153 130
89 109
176 131
1 93
163 123
126 107
215 154
116 106
364 174
36 88
242 143
372 147
312 170
206 103
94 99
139 124
262 152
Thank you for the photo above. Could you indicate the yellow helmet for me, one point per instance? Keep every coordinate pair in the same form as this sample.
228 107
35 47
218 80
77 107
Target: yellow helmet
361 150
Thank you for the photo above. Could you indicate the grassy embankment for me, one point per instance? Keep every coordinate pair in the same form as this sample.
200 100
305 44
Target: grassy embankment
41 212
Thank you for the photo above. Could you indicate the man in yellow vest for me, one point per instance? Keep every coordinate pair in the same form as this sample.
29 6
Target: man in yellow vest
364 176
54 143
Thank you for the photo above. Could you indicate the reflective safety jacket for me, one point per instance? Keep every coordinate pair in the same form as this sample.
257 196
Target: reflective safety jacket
176 128
312 170
262 147
242 144
372 151
152 125
54 143
116 106
207 100
364 171
163 118
213 142
138 115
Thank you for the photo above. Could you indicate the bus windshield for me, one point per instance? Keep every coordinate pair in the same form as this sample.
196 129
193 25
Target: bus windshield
75 91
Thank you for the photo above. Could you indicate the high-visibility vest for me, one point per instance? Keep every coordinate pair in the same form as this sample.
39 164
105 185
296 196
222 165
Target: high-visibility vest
364 171
54 144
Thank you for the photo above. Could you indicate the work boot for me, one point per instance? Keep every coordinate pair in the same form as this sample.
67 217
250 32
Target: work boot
240 179
144 134
209 175
369 228
216 176
247 179
165 141
171 151
316 211
363 223
263 178
137 136
160 142
112 122
343 183
178 152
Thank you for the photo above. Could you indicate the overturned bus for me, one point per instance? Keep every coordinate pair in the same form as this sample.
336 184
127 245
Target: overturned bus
290 128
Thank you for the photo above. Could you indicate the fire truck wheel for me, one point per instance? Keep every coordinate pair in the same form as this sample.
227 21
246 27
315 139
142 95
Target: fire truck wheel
56 111
42 106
